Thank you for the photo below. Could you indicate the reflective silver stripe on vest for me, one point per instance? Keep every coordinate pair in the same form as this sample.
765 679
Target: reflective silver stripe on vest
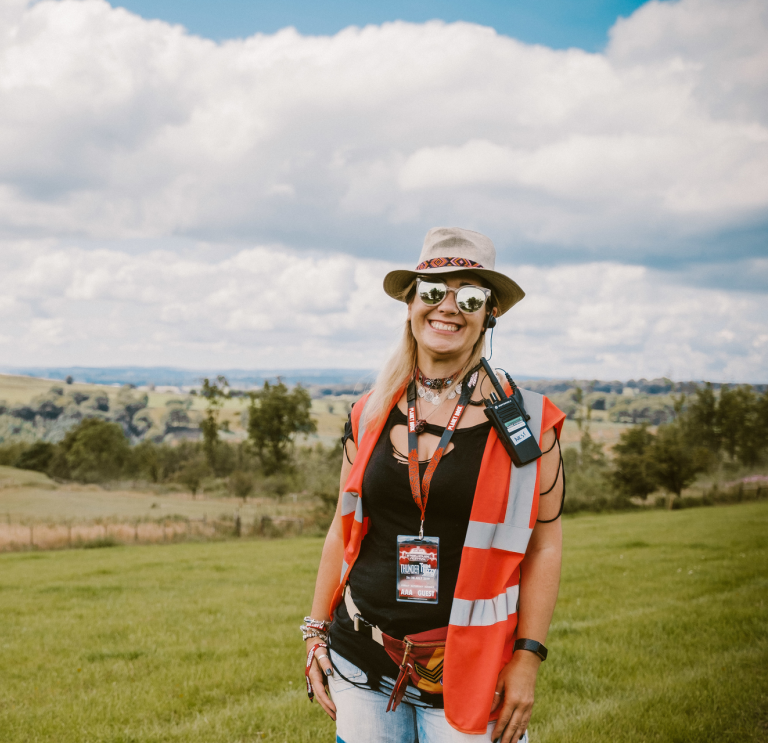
349 503
344 568
484 612
514 534
359 511
509 537
360 429
523 480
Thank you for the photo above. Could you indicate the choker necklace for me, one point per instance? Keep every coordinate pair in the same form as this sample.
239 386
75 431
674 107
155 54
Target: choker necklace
431 389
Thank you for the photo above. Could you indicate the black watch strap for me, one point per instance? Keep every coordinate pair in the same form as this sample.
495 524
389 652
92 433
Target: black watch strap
531 645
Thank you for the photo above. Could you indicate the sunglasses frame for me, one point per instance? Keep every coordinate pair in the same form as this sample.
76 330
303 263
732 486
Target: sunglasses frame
486 292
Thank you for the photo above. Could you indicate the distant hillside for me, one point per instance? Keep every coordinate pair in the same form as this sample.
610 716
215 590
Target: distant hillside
336 380
161 404
165 376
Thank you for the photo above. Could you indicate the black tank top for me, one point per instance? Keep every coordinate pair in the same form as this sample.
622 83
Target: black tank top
391 511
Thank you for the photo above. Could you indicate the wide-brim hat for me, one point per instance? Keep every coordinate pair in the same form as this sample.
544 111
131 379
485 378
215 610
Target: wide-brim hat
451 249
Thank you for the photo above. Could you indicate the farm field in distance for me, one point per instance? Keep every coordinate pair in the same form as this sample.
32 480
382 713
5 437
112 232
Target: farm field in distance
28 495
330 412
660 634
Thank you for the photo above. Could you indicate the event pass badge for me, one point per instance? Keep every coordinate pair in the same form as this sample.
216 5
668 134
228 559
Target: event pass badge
417 569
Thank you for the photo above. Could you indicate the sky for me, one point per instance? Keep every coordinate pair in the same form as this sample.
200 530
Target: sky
225 185
558 24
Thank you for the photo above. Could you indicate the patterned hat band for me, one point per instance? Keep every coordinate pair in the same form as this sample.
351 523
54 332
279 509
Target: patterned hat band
443 262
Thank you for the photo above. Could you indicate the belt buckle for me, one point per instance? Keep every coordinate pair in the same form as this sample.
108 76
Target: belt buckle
358 620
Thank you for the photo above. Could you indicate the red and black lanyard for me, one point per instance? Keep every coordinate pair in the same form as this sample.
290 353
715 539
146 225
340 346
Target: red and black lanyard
420 490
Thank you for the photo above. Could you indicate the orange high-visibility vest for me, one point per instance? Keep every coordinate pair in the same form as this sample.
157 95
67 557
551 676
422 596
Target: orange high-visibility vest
483 621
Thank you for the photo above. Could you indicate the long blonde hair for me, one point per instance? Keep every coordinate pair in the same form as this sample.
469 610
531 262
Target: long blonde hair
399 368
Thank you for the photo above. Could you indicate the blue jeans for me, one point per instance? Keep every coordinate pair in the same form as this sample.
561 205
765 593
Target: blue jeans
361 715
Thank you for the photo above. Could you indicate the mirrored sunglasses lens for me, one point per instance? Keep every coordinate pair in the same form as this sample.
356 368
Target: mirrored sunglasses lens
470 299
432 292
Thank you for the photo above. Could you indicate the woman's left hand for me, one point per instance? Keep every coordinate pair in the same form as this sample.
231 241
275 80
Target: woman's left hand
514 692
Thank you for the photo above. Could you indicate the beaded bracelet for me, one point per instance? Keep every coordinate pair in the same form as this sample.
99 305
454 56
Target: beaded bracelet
317 623
306 634
314 628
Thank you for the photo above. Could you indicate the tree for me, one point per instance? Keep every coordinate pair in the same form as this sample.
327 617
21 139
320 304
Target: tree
241 484
38 457
94 451
193 473
741 417
701 420
672 463
631 472
128 404
145 462
214 393
274 416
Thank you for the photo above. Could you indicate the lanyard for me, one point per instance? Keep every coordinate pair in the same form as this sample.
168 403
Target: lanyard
420 490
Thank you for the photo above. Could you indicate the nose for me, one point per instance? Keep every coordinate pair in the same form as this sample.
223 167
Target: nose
449 305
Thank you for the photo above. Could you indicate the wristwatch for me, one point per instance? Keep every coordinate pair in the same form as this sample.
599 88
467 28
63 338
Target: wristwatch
534 647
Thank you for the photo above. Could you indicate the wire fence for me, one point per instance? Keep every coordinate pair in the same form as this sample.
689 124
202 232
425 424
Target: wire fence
25 534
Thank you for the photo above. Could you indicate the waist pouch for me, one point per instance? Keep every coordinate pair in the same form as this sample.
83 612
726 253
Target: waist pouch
419 656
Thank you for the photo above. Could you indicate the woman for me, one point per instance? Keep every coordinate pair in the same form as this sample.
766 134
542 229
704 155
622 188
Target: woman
436 530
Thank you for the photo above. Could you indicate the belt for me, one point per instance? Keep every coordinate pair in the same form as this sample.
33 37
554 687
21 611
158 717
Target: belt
420 656
365 628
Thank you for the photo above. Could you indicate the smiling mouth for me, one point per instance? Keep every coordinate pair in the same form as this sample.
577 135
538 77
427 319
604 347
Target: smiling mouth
444 326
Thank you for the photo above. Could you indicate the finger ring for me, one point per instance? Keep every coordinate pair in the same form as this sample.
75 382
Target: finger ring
320 657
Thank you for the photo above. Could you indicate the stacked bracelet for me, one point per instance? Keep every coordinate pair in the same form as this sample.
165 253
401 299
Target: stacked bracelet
314 628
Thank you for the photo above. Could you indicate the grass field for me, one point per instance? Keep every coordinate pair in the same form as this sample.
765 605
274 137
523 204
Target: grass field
32 496
661 634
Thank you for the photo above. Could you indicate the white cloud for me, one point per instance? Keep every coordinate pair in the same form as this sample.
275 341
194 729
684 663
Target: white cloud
113 126
269 306
139 166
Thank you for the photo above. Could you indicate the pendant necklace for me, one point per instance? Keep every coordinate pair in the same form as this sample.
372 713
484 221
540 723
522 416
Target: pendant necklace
431 389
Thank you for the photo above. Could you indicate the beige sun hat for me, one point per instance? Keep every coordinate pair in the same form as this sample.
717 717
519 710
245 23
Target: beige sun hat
451 249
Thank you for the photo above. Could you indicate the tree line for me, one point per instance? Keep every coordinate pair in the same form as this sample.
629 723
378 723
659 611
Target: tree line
709 433
97 450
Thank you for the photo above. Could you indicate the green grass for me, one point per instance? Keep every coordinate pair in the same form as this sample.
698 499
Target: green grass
32 496
660 635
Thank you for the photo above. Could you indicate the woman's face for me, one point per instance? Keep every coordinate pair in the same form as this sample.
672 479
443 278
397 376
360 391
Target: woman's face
445 331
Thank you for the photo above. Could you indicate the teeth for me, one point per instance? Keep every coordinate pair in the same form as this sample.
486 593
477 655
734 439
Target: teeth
443 326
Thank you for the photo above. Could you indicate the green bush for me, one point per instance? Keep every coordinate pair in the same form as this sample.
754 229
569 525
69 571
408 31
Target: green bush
37 457
94 451
10 452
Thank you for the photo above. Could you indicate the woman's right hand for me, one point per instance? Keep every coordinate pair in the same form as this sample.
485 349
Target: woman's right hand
318 677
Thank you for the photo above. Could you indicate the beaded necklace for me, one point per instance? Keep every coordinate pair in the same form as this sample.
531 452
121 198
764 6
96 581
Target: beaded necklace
430 389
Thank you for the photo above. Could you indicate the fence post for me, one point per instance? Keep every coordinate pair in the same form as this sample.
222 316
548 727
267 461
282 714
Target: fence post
238 525
301 526
31 535
69 535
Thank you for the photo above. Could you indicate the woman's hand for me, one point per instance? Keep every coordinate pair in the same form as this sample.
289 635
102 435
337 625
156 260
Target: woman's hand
514 692
318 674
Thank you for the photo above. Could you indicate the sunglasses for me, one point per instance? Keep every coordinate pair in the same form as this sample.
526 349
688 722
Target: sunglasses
468 298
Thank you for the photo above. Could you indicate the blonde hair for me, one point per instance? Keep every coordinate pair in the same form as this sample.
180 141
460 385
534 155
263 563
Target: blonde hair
399 368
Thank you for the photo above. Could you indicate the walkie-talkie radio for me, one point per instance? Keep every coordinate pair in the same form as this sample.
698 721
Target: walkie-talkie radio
508 417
